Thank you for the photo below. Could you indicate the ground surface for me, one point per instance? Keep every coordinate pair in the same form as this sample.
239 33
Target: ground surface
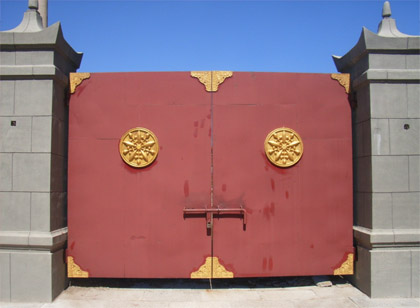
241 293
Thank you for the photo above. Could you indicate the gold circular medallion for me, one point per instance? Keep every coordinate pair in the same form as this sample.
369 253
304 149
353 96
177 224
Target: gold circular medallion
139 147
283 147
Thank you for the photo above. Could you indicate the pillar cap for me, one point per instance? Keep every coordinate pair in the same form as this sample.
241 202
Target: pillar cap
388 40
388 27
386 10
32 20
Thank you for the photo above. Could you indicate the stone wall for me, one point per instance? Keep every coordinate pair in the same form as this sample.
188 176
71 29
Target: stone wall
34 68
385 75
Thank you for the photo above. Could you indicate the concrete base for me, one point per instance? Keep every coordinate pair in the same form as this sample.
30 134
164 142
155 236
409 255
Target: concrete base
388 272
31 276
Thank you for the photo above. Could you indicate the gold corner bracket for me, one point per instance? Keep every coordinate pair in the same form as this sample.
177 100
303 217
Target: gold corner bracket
343 79
74 270
347 267
211 79
205 270
76 79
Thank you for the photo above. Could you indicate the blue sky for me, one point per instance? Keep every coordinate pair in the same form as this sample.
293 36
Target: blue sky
277 36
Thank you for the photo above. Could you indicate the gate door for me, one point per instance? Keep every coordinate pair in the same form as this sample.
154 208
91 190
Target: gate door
125 221
299 218
250 176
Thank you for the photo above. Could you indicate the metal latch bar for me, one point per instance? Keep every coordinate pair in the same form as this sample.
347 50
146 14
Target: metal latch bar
218 211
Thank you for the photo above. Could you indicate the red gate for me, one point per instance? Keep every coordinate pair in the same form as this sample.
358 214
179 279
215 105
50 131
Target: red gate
211 204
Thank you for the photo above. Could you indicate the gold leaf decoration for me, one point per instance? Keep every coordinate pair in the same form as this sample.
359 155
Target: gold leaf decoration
204 77
211 79
205 270
219 271
139 147
283 147
343 79
218 77
76 79
74 270
347 267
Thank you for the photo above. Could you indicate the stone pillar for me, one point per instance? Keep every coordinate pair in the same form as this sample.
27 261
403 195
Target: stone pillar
35 63
385 76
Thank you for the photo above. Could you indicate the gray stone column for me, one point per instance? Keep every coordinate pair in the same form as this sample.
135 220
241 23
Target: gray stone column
385 76
34 66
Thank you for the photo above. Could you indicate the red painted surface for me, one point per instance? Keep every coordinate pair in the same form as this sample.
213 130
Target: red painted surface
300 218
126 222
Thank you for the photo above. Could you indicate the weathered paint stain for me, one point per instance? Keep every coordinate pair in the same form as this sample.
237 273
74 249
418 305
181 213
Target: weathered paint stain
195 134
186 188
269 210
138 237
273 185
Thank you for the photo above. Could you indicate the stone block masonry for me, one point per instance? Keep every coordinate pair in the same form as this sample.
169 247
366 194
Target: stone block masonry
385 76
34 69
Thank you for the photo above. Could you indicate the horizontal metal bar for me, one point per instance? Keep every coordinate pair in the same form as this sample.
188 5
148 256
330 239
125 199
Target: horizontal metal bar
204 211
213 210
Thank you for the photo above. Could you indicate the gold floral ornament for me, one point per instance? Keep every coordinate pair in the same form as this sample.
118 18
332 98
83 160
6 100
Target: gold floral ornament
283 147
139 147
347 267
344 80
76 79
211 269
211 79
74 270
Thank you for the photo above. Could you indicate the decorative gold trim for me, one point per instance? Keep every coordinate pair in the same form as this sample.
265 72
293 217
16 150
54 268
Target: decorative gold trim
76 79
139 147
211 79
204 271
218 77
283 147
343 79
204 77
74 270
347 267
219 271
